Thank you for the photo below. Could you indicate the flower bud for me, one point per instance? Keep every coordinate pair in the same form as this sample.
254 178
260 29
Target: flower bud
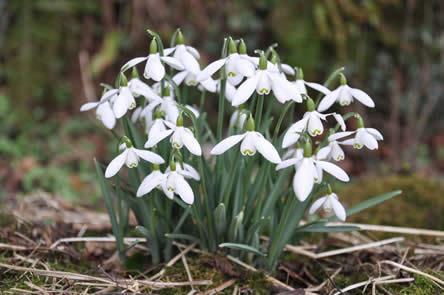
123 80
299 74
308 151
242 47
360 121
179 121
127 142
250 126
134 73
342 79
262 62
231 46
153 46
172 165
179 38
310 104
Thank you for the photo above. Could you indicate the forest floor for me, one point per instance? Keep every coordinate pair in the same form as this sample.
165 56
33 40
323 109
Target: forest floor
49 246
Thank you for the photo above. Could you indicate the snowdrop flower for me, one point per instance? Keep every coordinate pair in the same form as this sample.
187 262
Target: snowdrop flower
332 151
186 170
344 94
309 170
230 90
311 122
182 136
191 80
330 204
104 112
119 100
252 141
363 136
238 118
153 180
176 184
130 156
186 55
263 81
158 130
139 88
236 65
301 83
154 68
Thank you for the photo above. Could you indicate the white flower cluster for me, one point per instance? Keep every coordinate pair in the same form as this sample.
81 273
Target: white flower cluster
241 77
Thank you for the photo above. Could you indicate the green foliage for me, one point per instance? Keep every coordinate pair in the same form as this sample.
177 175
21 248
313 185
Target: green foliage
420 205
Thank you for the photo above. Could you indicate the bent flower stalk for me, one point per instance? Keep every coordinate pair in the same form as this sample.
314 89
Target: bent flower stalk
216 196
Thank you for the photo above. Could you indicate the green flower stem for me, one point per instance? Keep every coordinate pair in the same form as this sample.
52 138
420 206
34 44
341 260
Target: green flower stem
258 113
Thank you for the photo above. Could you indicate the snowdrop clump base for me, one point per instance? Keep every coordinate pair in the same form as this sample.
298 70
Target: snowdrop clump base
256 176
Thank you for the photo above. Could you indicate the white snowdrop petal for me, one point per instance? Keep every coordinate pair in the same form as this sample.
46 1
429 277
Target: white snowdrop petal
191 142
303 180
375 133
334 170
149 156
154 68
156 137
245 90
88 106
179 77
329 100
190 172
266 149
115 165
323 152
184 190
210 69
244 67
287 163
193 51
318 87
226 144
363 97
131 63
150 182
368 140
316 205
188 61
106 115
338 208
315 126
173 62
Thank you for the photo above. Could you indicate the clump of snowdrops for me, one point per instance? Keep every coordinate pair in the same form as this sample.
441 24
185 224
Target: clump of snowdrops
260 181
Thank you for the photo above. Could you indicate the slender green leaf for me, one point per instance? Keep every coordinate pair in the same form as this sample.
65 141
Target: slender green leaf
242 247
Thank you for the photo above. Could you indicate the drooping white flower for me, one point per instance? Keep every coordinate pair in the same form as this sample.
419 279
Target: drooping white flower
332 151
186 55
186 170
113 105
301 83
154 69
153 180
131 156
238 119
191 80
236 65
140 88
157 132
252 142
263 81
230 90
344 95
330 204
367 137
309 170
176 184
182 136
310 122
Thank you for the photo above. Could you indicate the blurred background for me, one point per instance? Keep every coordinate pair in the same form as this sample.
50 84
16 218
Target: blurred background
54 54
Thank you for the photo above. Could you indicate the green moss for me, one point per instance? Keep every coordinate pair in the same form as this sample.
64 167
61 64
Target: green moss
6 219
420 205
421 286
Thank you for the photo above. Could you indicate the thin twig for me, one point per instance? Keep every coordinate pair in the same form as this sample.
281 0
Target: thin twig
412 270
393 229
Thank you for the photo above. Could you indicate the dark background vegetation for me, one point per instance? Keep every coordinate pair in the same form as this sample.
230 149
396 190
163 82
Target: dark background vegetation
54 54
